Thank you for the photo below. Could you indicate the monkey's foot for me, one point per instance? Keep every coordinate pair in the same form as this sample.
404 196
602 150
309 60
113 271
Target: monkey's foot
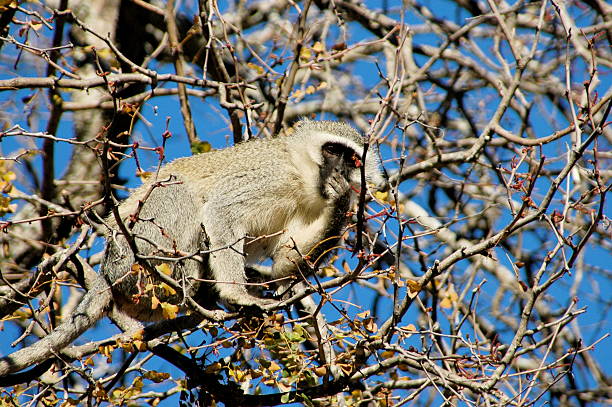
247 300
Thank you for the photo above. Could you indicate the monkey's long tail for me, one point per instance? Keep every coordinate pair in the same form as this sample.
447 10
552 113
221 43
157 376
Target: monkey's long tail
91 308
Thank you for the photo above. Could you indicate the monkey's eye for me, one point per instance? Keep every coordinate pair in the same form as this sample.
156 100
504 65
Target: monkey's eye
340 151
334 149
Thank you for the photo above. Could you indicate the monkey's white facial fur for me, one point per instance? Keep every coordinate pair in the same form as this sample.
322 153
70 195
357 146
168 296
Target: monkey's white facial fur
330 162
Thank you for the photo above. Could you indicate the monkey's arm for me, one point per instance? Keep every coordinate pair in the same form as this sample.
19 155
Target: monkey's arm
227 259
314 241
91 308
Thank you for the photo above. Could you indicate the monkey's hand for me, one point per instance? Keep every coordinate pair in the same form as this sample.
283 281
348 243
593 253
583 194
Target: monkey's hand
336 185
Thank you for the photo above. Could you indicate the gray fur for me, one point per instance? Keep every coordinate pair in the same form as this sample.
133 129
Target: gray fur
219 205
270 187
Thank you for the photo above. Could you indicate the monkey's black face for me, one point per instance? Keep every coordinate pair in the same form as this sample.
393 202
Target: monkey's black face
337 153
339 161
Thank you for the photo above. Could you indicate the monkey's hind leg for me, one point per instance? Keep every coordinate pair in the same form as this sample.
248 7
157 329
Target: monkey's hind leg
227 267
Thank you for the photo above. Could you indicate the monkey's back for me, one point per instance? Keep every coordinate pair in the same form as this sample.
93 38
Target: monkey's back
255 198
166 229
171 221
245 180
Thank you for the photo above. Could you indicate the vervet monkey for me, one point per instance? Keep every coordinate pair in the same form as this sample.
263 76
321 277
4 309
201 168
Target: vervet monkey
281 198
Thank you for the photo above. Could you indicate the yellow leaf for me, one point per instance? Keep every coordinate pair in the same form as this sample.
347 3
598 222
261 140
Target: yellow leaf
318 47
213 368
8 3
105 53
199 147
273 367
99 392
413 288
298 94
283 387
154 302
144 175
164 268
305 54
381 196
141 346
322 85
9 176
320 371
137 268
329 271
255 67
403 367
370 325
107 350
128 108
310 90
6 206
364 314
36 25
357 394
169 311
156 377
181 385
450 297
167 289
446 303
126 346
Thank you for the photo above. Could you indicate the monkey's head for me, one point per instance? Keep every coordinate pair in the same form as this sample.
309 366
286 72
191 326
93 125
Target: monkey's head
334 151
